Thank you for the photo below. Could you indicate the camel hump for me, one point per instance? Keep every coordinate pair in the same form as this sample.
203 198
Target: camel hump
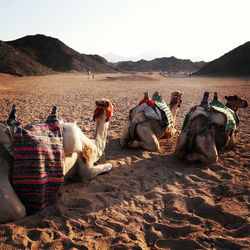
193 113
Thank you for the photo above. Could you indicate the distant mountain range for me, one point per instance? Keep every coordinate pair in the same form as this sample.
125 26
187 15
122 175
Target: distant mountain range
147 55
40 55
164 64
233 63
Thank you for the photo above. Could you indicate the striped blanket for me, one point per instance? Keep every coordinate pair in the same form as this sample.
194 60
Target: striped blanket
38 164
232 118
159 102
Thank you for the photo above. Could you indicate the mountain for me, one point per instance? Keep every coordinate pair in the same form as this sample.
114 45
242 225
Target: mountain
15 62
54 55
147 55
113 58
170 64
233 63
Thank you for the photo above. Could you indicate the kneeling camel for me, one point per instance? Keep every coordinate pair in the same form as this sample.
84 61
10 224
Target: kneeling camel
144 131
79 155
209 128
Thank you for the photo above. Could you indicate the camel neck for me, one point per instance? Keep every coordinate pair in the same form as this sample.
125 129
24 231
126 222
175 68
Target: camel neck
101 135
173 109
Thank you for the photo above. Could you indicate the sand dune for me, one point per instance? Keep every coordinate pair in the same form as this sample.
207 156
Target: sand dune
148 200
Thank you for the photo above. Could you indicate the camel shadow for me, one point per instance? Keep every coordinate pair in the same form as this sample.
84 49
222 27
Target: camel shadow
148 187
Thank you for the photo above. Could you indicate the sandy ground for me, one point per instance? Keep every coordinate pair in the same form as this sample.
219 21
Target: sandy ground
148 200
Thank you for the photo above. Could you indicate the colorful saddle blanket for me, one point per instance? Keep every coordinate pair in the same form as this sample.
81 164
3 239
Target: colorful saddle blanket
159 102
38 164
232 118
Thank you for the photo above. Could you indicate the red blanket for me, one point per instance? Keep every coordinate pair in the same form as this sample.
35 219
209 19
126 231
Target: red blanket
38 164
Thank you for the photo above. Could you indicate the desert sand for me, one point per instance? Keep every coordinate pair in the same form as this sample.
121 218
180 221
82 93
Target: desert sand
149 200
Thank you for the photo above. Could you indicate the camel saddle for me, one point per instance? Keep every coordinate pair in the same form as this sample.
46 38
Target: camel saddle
38 164
155 109
217 106
159 102
232 118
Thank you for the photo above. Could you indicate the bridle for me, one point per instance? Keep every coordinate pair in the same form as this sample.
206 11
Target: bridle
100 108
175 99
233 105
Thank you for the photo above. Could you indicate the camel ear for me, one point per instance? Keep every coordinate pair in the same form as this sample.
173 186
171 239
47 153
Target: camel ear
235 97
226 97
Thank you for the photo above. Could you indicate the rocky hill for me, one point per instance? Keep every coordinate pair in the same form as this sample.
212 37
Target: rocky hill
164 64
233 63
46 52
15 62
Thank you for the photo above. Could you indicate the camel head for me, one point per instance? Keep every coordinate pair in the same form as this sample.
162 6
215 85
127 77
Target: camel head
235 102
104 110
176 98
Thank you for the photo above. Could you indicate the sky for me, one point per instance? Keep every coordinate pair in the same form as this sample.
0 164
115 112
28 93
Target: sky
187 29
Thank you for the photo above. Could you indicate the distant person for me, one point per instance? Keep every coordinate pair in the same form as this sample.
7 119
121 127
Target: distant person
89 72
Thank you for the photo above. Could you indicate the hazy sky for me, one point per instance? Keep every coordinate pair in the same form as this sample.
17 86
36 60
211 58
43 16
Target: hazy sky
196 29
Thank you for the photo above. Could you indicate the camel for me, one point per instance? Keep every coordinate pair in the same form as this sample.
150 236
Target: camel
146 131
208 129
80 155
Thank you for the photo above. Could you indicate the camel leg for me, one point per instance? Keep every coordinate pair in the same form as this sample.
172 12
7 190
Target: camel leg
181 145
11 208
197 157
124 135
70 166
87 171
206 151
232 141
147 140
154 146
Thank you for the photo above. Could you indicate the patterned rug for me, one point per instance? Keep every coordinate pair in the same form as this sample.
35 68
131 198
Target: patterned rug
38 164
164 107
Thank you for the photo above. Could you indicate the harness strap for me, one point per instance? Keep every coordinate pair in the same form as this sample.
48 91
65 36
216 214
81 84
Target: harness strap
99 109
232 105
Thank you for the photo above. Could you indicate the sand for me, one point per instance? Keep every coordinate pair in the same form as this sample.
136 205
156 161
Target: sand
149 200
